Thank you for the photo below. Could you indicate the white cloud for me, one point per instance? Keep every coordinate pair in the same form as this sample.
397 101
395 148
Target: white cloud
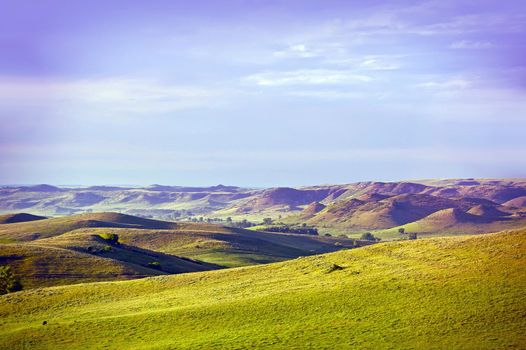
329 94
296 51
451 84
376 64
307 77
466 44
117 94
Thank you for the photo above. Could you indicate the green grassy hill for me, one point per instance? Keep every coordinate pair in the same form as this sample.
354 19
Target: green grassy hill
44 266
225 246
29 231
72 249
463 292
19 217
453 221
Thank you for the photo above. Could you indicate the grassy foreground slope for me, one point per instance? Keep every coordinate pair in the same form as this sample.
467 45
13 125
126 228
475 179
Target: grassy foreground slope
445 293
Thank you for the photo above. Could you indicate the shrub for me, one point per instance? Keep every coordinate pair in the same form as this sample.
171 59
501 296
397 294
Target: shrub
106 248
154 265
401 230
304 230
412 235
368 236
8 281
110 237
334 267
267 221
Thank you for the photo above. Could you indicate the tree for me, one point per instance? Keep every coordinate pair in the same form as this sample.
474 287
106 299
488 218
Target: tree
8 281
267 221
401 230
368 236
229 220
412 235
110 237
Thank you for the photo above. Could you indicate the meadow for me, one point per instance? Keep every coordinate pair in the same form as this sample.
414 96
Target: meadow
464 292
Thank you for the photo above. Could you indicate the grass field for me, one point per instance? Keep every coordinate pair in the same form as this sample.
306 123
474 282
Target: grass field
462 292
73 249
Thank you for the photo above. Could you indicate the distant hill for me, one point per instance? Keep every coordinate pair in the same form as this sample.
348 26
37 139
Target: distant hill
28 231
518 202
454 221
311 210
446 293
19 217
349 208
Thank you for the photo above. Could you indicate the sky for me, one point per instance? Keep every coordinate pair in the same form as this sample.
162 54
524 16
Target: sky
261 93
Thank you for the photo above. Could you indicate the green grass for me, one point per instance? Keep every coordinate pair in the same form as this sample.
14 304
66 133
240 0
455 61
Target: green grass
230 247
462 292
430 228
32 230
45 253
43 266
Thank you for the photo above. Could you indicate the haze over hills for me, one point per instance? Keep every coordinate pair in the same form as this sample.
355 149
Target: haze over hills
335 209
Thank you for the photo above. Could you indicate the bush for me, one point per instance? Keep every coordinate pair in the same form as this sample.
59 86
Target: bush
106 248
154 265
304 230
8 281
412 235
267 221
110 237
334 267
368 236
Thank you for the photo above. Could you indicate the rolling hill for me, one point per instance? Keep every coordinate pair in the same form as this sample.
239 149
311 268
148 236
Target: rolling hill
347 209
454 221
19 217
41 251
461 292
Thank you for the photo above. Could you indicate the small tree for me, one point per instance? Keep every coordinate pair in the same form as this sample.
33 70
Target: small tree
229 220
368 236
267 221
412 235
401 230
8 281
110 237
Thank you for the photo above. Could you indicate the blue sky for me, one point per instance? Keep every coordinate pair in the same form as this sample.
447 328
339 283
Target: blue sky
261 93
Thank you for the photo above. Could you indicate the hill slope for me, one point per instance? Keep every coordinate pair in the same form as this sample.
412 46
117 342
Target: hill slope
172 247
19 217
453 221
444 293
44 266
29 231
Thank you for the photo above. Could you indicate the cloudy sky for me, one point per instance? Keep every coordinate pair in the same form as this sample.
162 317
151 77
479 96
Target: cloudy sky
261 93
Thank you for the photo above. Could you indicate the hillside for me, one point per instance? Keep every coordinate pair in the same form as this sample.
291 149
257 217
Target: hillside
453 221
349 209
19 217
43 266
173 247
446 293
229 247
380 212
28 231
